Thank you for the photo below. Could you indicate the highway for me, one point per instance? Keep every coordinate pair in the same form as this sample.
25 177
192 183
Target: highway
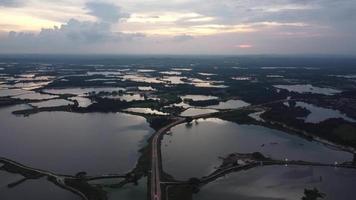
156 159
156 192
155 183
156 163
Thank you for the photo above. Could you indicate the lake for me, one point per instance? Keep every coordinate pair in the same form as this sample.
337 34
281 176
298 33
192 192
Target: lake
194 151
39 189
279 182
94 142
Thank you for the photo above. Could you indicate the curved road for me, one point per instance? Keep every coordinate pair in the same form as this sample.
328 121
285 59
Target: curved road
59 179
155 182
156 193
156 152
156 160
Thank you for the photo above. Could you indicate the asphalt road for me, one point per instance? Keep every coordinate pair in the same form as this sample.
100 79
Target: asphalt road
156 160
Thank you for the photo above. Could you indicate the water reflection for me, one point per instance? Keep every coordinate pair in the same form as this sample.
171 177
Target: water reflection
307 88
196 111
194 151
170 73
319 114
35 96
82 101
127 97
39 189
198 97
12 92
83 91
130 191
146 111
52 103
278 182
94 142
230 104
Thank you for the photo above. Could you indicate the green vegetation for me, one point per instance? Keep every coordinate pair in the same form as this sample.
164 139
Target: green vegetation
335 130
345 132
237 116
157 122
169 98
91 192
202 102
312 194
179 192
253 85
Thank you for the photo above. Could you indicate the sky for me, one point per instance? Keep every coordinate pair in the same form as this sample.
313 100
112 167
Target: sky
233 27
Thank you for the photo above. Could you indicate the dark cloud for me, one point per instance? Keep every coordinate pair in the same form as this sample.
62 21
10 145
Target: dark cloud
72 36
327 26
75 31
106 12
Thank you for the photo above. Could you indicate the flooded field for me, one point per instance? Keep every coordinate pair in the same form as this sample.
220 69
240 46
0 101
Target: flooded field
130 191
279 182
230 104
126 97
51 140
12 92
146 111
319 114
52 103
35 96
194 151
308 89
83 91
198 97
196 111
98 113
40 189
82 101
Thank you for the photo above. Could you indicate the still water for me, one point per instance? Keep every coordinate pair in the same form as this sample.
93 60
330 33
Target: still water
194 151
146 111
279 182
307 88
319 114
39 189
96 143
230 104
196 111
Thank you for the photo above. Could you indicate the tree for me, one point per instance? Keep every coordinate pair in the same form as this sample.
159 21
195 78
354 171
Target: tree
312 194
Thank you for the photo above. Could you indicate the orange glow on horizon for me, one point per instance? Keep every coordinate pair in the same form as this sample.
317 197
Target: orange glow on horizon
244 46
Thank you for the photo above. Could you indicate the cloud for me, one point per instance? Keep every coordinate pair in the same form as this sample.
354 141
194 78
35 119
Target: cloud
11 3
198 26
182 38
106 12
74 34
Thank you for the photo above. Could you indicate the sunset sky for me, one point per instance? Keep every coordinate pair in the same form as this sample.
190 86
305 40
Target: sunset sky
178 26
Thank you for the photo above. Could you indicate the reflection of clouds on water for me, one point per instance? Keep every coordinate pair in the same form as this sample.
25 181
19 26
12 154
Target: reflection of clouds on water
196 149
214 120
298 173
196 111
319 114
230 104
146 111
51 140
307 88
279 182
